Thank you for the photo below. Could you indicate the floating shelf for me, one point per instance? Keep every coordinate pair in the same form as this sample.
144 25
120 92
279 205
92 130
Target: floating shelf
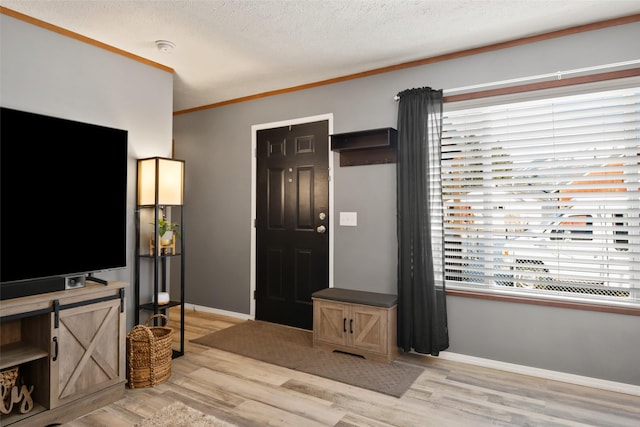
366 147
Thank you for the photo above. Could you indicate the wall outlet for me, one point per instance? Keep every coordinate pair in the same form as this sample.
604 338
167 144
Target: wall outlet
349 219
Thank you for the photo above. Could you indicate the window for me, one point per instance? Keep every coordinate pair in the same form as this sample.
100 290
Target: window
543 197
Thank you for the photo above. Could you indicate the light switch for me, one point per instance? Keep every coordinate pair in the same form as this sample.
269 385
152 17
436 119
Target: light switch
349 219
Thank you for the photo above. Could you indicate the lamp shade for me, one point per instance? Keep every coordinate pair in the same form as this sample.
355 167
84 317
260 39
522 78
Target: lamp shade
160 181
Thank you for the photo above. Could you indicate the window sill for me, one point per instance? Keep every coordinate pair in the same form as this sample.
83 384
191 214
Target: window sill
632 311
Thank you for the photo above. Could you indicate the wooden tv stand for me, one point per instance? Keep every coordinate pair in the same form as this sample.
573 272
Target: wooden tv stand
70 346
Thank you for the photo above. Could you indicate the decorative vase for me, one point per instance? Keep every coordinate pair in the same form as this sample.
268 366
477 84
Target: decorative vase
166 239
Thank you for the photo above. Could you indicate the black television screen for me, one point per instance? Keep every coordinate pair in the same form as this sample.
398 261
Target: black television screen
63 199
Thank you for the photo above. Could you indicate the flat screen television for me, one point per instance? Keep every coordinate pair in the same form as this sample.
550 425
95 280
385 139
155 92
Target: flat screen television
63 202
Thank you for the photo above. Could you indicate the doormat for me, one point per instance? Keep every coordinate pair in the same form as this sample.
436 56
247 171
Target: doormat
293 348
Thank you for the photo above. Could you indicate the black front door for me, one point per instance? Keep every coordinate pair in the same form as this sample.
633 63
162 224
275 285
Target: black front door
292 221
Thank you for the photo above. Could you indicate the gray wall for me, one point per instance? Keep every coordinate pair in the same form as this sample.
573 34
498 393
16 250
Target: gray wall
216 145
47 73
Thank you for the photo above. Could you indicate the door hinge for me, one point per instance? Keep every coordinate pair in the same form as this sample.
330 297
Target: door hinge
255 294
255 223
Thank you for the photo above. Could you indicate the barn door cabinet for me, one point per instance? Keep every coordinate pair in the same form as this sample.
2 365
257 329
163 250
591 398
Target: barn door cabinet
70 346
357 322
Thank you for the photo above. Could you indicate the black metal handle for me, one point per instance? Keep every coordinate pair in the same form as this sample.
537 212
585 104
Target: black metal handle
351 325
55 348
344 324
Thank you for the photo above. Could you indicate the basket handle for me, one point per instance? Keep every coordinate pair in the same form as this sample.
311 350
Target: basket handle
140 333
162 316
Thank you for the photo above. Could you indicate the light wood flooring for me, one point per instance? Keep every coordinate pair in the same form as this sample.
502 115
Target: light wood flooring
252 393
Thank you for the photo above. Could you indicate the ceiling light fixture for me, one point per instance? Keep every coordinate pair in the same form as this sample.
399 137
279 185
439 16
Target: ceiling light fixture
165 45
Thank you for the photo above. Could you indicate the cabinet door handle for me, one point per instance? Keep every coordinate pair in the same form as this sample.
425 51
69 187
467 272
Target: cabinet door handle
351 325
344 324
55 348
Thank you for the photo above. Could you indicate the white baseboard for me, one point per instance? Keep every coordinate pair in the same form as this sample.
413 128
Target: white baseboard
544 373
617 387
204 309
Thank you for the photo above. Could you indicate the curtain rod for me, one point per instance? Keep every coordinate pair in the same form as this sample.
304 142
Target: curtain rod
557 74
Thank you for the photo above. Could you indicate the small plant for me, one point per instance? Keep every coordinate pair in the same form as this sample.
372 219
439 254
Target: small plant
164 226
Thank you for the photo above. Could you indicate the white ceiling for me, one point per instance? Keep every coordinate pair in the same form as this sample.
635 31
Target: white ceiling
227 49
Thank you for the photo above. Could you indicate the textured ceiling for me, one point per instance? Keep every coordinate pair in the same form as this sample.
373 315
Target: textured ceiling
227 49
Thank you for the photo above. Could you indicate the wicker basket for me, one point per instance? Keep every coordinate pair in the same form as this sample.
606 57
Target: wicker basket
8 379
149 353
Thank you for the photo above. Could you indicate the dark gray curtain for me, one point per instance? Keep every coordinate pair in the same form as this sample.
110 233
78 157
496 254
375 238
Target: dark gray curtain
422 312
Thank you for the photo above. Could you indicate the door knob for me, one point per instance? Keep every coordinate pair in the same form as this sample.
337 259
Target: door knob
322 229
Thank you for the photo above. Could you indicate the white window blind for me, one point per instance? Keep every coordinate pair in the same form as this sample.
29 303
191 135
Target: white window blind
543 197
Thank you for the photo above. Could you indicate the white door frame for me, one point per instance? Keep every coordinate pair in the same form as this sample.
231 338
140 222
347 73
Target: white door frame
254 165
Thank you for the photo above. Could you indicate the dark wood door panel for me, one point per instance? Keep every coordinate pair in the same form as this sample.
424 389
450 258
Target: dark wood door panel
305 202
275 274
275 198
292 255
